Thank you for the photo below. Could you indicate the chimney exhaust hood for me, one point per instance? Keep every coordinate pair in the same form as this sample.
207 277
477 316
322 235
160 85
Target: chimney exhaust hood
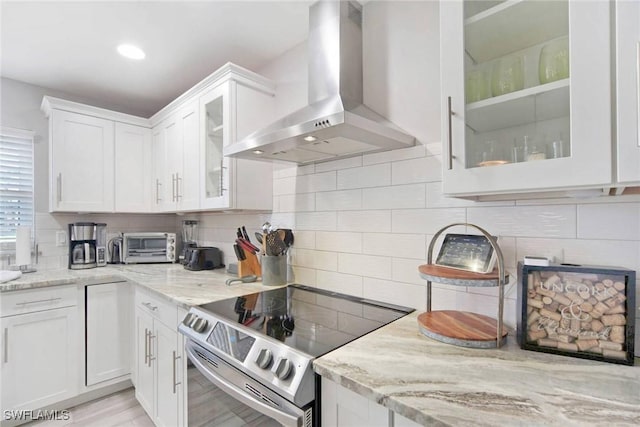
335 124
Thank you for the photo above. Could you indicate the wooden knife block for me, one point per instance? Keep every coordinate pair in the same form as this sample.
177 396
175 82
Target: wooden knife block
249 266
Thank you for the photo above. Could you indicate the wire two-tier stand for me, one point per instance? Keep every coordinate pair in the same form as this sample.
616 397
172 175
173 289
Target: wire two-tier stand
464 328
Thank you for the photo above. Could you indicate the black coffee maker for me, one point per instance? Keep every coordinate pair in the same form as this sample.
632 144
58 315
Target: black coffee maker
82 245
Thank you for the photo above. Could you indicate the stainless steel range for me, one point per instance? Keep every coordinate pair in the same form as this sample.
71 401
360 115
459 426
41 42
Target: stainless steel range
259 349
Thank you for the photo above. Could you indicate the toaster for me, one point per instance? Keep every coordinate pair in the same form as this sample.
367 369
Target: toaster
203 258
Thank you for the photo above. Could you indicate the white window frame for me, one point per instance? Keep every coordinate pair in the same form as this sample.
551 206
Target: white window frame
7 245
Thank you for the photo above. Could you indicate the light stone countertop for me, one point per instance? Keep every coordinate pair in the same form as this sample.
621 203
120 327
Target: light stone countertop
437 384
171 281
426 381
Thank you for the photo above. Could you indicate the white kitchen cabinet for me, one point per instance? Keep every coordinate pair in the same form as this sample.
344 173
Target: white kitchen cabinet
160 364
99 160
342 407
488 109
40 348
229 112
176 161
108 326
627 18
81 163
132 168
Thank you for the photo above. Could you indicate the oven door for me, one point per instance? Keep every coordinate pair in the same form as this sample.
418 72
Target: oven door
219 393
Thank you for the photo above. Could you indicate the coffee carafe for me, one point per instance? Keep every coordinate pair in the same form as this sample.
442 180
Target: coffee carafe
82 245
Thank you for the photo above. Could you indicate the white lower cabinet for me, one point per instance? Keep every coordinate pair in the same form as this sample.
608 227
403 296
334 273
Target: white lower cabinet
108 308
342 407
40 348
159 360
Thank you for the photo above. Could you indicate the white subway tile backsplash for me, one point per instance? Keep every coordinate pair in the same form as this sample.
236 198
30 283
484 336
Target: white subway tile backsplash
319 260
365 177
519 221
426 221
340 241
305 276
406 270
339 282
325 181
394 197
316 221
394 245
364 221
365 265
404 294
286 185
339 200
296 202
619 221
395 155
305 239
425 169
351 162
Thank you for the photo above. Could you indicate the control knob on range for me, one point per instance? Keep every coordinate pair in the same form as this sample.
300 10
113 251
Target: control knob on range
264 358
283 369
200 324
188 319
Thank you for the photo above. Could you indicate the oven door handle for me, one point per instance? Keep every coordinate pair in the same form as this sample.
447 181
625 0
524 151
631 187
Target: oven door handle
284 418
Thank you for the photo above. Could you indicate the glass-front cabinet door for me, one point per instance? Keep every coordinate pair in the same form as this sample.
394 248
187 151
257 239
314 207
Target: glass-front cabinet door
214 107
526 96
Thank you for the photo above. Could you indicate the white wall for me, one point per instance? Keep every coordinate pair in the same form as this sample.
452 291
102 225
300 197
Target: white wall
363 225
20 108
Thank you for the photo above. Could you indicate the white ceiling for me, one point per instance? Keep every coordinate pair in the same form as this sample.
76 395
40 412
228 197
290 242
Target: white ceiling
71 46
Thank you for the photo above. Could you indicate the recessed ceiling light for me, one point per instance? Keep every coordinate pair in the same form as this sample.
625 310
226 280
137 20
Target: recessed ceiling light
130 51
310 138
258 152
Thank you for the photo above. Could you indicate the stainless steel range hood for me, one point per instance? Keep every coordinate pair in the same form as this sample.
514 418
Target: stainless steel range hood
335 124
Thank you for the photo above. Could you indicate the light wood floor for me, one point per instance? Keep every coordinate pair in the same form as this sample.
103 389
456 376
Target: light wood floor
116 410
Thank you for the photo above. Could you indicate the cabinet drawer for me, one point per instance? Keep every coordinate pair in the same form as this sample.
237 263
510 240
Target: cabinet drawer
28 301
159 308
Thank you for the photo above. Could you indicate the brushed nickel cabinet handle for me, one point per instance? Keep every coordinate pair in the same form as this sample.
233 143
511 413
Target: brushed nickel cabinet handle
59 187
173 187
150 306
6 346
638 87
146 346
38 301
158 184
175 368
450 142
178 181
151 358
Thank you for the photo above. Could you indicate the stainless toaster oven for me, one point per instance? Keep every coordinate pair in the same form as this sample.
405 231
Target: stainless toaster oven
148 247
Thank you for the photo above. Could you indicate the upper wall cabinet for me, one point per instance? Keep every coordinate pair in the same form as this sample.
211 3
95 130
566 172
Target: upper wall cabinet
81 162
526 96
176 161
132 168
98 159
229 112
628 90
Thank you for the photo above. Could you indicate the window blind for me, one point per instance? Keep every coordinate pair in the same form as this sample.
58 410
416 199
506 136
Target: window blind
16 183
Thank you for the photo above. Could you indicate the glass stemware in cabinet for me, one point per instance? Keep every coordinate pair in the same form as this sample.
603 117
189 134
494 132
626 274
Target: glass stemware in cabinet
507 75
554 61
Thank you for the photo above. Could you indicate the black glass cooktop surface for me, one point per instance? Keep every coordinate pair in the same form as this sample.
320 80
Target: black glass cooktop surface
310 320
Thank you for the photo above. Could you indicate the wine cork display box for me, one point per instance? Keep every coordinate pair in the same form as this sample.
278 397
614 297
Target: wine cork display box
579 311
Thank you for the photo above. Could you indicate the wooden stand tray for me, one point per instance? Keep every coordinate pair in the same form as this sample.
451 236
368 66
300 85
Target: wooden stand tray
453 276
460 328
